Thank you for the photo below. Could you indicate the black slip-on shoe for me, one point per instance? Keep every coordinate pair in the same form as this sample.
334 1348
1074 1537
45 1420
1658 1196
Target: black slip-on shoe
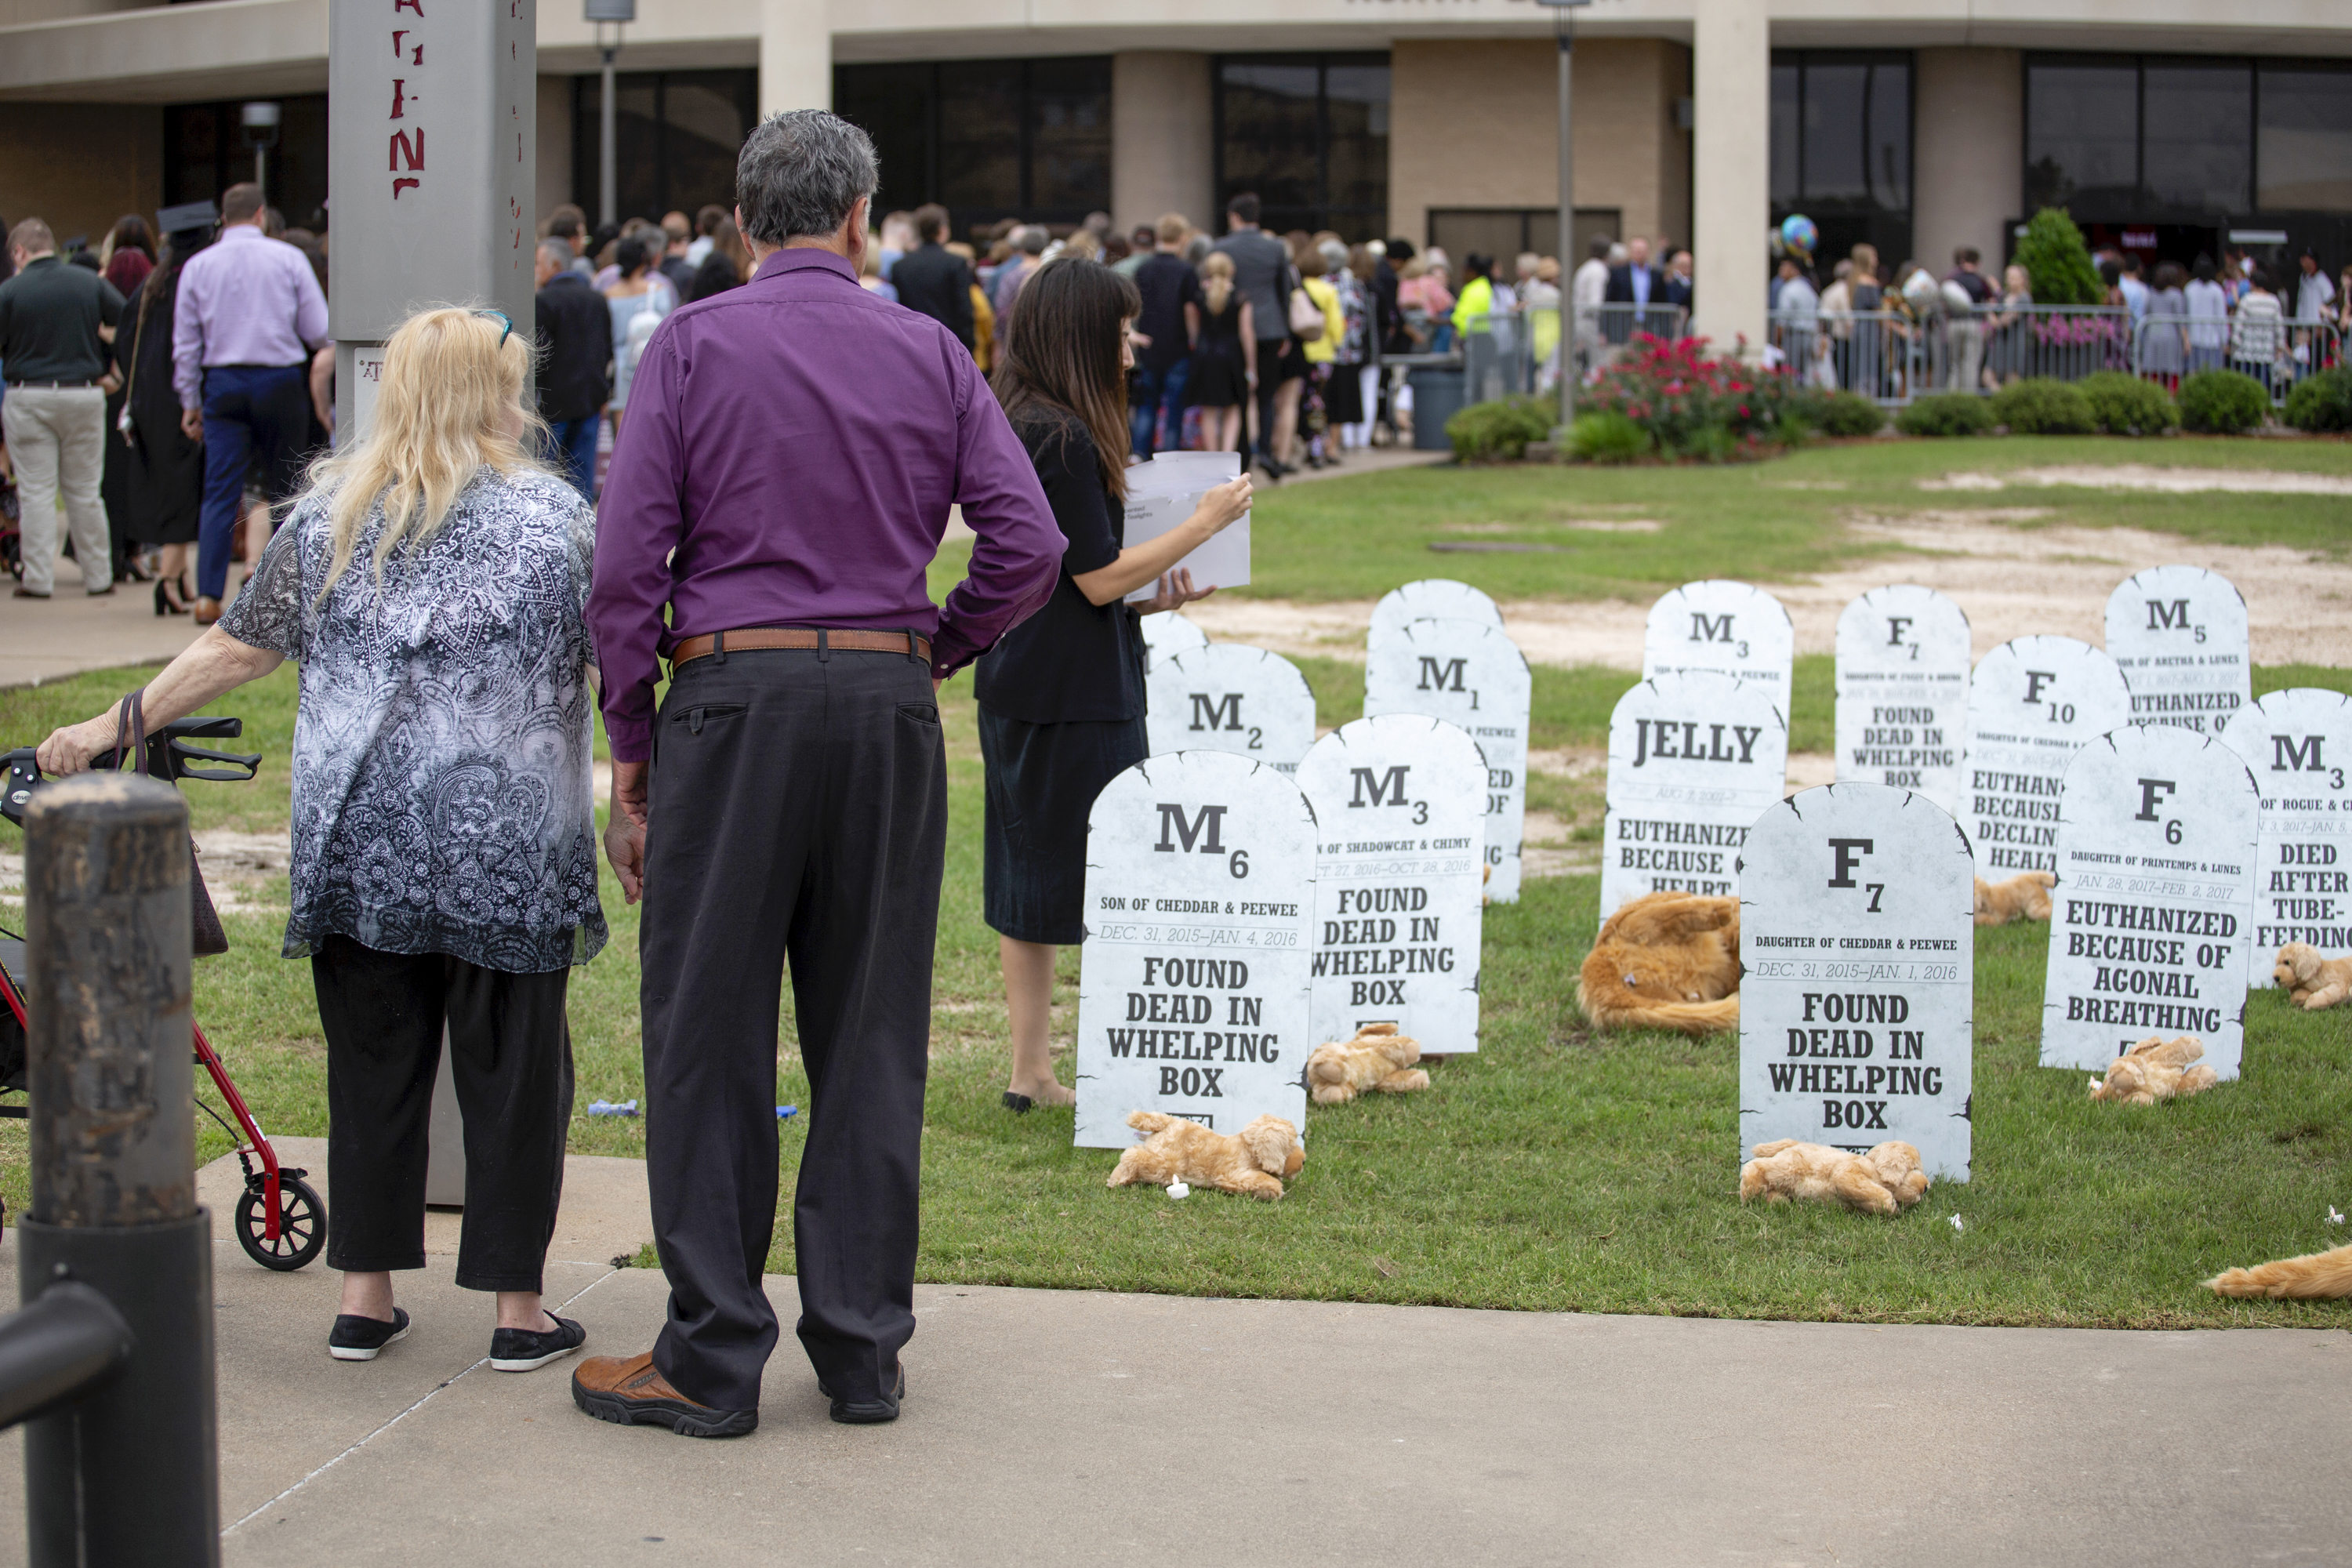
523 1349
354 1338
1018 1104
866 1412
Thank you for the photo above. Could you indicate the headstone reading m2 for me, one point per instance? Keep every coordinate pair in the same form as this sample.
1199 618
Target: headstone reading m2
2179 634
2298 744
1693 759
1731 628
1167 633
1473 677
1229 697
1857 929
1430 599
2033 704
1902 692
1193 984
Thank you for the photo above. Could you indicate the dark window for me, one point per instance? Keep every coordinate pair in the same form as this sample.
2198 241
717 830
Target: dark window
1310 134
2303 139
674 135
204 154
1504 233
987 139
1840 155
2082 134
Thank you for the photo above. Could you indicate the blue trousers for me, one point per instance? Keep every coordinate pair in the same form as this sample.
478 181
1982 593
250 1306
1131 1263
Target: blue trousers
255 415
575 446
1159 394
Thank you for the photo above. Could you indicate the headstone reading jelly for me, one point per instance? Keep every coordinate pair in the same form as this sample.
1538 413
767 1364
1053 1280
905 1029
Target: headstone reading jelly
1431 598
1902 692
1167 633
2298 745
1731 628
2179 634
1230 696
1693 759
2033 704
1473 677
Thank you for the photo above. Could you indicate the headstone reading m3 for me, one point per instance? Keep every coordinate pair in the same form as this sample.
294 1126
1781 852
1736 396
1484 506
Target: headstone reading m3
1732 628
2298 745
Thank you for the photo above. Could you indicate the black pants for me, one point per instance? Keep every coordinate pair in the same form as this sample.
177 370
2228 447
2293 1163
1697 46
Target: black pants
1269 382
510 1056
798 809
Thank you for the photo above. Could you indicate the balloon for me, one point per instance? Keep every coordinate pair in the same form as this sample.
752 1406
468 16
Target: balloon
1797 232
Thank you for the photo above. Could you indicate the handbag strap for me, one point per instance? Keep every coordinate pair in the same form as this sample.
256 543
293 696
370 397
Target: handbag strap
131 725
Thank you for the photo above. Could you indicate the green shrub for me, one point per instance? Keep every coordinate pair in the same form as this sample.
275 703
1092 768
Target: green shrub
1713 443
1946 414
1486 431
2040 406
2223 403
2321 403
2123 405
1607 437
1848 414
2052 253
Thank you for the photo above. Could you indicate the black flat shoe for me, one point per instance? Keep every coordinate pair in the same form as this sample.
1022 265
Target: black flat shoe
1019 1104
526 1349
354 1338
866 1412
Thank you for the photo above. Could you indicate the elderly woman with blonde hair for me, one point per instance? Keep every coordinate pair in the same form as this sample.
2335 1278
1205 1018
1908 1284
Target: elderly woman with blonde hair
430 584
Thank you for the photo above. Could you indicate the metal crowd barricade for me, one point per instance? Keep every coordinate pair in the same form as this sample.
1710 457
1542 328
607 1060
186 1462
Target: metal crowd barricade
2278 355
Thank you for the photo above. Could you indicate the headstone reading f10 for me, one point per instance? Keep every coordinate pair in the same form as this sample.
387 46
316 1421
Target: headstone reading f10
1902 692
2179 634
2298 744
1193 984
1693 759
1472 676
1400 806
2033 704
1428 599
1857 928
1230 696
1161 493
1731 628
1167 633
2151 922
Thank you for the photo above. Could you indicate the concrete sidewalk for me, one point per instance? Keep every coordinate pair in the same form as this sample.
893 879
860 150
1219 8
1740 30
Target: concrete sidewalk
43 639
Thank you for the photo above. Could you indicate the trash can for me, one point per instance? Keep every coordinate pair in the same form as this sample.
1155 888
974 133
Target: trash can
1437 397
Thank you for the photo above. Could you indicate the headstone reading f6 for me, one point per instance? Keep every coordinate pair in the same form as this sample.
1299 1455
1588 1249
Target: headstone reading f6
1902 692
1857 928
1731 628
1473 677
1193 984
1431 599
2033 704
2151 922
2298 744
2179 634
1400 804
1693 759
1167 633
1230 696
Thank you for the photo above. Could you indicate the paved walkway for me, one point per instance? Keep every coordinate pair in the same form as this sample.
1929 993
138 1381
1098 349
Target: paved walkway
42 639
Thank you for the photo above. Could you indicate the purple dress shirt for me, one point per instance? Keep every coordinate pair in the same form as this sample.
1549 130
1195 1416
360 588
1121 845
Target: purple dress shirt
791 452
246 299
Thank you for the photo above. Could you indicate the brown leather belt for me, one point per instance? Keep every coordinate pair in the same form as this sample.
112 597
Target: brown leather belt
752 638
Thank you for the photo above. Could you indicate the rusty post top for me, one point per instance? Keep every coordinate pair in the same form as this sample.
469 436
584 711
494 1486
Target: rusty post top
95 834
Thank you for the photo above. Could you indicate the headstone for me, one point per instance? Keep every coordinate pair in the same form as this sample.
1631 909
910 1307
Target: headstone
2033 704
1431 599
1165 492
1857 929
2151 923
1473 677
1400 806
1230 696
1731 628
1902 692
2298 744
1193 984
1167 633
2179 634
1693 759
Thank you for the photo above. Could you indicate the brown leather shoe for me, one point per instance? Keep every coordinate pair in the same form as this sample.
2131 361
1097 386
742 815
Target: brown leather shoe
629 1392
207 610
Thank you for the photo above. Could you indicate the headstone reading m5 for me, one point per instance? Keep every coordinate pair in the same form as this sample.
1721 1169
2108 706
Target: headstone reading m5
1902 692
1167 633
2151 922
1431 599
2298 745
1193 984
1693 759
2179 634
1731 628
1857 929
1472 676
1230 696
1400 804
2033 704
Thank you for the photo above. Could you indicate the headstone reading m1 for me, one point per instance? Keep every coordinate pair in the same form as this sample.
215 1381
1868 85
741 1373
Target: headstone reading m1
1230 696
1472 676
2151 922
2179 634
1693 759
1857 929
1167 633
1193 984
2033 704
1400 804
2298 744
1431 599
1731 628
1902 692
1165 492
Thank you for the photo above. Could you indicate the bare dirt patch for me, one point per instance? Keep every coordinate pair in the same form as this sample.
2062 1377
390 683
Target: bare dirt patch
2145 477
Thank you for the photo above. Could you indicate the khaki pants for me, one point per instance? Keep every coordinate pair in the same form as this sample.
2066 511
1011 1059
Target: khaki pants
57 440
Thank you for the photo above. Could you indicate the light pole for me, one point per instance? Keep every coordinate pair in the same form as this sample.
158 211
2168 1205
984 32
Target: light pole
1564 27
601 14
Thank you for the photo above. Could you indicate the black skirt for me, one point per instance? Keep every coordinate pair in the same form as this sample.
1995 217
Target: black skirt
1343 398
1041 782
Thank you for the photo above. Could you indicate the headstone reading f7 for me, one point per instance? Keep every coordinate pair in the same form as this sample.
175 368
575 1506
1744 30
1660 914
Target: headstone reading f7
1167 633
1857 927
1400 804
1731 628
1902 692
1473 677
1193 984
1431 599
1162 493
1230 696
2033 704
1693 759
2298 744
2151 922
2179 634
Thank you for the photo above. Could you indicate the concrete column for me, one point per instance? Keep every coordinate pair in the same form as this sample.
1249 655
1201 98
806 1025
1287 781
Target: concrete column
795 56
1161 129
1731 199
1969 153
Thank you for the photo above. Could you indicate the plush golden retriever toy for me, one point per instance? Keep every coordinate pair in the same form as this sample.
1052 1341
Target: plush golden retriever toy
2155 1069
1886 1181
1180 1151
2314 1275
1377 1058
2024 897
1665 961
2311 980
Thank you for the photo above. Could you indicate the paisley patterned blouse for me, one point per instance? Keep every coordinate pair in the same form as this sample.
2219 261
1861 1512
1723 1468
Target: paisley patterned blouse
443 800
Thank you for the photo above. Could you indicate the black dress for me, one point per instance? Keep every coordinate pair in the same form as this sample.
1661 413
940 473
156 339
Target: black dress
159 477
1061 709
1220 377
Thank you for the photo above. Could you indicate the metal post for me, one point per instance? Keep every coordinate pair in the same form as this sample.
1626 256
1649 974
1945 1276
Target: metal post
607 197
1565 238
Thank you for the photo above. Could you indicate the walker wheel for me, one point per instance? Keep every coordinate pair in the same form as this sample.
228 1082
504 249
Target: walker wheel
301 1224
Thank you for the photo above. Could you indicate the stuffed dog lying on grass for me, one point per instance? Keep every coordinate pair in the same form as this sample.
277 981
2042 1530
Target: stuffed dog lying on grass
2024 897
1180 1151
2315 1275
1665 961
2155 1069
1377 1058
1886 1181
2311 980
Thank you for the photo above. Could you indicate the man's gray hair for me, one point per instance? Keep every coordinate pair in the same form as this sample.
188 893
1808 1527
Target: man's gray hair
557 251
800 173
1034 240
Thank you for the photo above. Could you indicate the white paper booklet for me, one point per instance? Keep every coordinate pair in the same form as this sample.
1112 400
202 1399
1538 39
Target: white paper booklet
1163 492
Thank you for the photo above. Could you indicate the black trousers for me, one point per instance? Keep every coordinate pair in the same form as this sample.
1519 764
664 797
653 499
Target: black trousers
1269 382
798 809
511 1059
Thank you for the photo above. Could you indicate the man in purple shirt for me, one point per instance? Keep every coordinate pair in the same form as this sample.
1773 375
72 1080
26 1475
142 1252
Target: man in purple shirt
781 485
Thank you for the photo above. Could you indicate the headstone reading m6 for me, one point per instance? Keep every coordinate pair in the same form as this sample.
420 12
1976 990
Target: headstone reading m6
1857 929
2298 744
1731 628
1430 599
1229 697
1400 804
1693 759
1902 692
2151 922
2179 634
1167 633
1193 984
2033 704
1473 677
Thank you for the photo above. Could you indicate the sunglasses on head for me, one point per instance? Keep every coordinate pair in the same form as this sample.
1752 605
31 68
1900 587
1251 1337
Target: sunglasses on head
503 319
